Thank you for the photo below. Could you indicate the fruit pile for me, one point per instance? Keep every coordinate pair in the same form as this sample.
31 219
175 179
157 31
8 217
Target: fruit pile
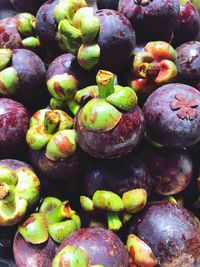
99 133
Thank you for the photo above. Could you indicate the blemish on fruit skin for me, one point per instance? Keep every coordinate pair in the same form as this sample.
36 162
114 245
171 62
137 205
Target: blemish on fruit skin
30 220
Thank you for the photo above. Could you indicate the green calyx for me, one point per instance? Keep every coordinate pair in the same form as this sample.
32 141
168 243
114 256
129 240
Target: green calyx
134 200
31 42
196 3
55 219
77 31
51 129
19 190
5 57
8 81
101 113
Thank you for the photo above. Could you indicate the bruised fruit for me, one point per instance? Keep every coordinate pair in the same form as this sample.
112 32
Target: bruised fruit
92 247
172 115
110 124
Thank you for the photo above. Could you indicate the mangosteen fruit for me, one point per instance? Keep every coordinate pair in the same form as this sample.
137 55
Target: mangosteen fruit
151 19
22 76
27 6
14 122
100 39
165 235
92 247
188 62
7 13
172 115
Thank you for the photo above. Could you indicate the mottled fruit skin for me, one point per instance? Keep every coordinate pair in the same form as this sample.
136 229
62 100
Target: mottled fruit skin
31 73
29 255
120 140
30 6
67 63
188 24
103 246
171 169
118 176
116 40
172 233
107 4
154 21
172 115
14 123
188 62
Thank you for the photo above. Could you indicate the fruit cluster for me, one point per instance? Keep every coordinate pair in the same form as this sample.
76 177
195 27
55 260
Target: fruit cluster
100 133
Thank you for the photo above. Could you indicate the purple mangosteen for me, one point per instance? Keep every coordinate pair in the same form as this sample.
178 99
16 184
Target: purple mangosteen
27 5
172 115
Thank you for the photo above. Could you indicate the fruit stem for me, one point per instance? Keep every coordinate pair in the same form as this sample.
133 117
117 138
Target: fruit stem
73 106
149 69
60 213
114 223
105 82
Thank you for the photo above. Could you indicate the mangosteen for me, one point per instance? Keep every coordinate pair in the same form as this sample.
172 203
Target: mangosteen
172 115
110 124
53 148
39 235
188 62
196 4
19 191
22 76
151 19
188 24
27 6
14 121
92 247
19 32
64 77
152 66
170 232
107 4
100 39
171 169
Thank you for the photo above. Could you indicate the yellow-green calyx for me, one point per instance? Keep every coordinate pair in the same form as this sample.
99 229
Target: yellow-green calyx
52 130
131 202
9 80
154 67
104 111
77 31
55 219
140 253
73 256
19 190
25 23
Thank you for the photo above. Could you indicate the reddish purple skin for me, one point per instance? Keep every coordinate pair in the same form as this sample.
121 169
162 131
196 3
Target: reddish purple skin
172 232
121 140
66 169
170 169
163 124
118 176
9 35
188 24
29 255
155 21
14 123
116 40
30 6
14 164
67 63
188 62
31 73
103 246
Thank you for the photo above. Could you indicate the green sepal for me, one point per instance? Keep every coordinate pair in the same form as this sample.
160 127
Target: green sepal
86 203
73 107
37 138
51 121
75 217
59 231
90 91
38 117
114 222
62 86
88 56
5 57
72 256
8 81
25 23
56 103
98 115
89 28
31 42
139 59
35 229
49 204
123 98
196 3
61 145
107 200
66 121
134 200
126 217
28 185
8 176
